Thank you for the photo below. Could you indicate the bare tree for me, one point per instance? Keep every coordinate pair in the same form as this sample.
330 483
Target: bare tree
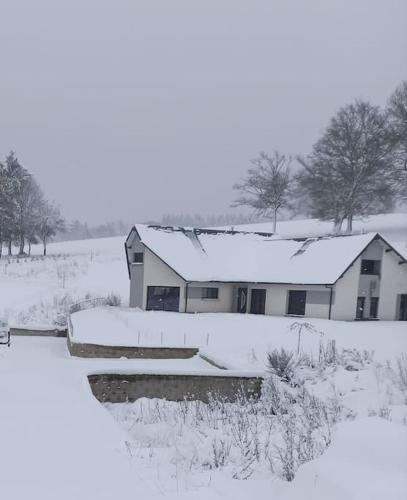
397 116
50 222
350 170
267 186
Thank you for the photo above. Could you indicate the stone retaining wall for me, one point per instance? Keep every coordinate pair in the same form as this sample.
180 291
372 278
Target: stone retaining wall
20 331
121 388
105 351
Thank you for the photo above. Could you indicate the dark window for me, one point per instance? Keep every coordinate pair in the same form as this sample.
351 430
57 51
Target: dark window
403 307
258 301
374 306
360 308
296 302
138 258
210 293
163 298
370 267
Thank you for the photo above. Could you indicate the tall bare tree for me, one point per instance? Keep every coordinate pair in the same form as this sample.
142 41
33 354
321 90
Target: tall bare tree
350 170
267 186
397 116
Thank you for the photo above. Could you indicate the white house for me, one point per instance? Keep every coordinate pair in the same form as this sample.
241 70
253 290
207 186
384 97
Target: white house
199 270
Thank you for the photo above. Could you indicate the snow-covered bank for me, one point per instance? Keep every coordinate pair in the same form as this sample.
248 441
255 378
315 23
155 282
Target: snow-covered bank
367 460
237 341
56 441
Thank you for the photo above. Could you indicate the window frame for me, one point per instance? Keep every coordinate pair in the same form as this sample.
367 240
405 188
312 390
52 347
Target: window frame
138 262
206 296
376 267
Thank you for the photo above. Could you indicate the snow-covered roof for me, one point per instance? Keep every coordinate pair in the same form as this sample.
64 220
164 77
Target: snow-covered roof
230 256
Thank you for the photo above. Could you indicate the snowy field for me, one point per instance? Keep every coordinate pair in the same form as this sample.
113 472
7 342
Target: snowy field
57 441
39 290
391 226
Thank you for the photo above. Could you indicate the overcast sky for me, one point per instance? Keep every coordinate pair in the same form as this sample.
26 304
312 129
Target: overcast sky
131 109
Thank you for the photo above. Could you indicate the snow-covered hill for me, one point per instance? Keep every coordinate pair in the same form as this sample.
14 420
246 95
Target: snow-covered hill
391 226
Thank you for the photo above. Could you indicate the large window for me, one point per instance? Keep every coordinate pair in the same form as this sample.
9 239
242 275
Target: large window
210 293
296 302
370 267
258 301
163 298
402 308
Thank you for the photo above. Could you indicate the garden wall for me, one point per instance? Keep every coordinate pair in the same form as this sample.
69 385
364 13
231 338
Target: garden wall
105 351
34 332
121 388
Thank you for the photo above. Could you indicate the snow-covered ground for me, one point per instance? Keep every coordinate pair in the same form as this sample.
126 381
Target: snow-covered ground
237 341
392 226
57 441
39 290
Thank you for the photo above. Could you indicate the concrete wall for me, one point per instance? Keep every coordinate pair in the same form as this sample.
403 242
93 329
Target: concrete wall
393 283
118 388
37 332
103 351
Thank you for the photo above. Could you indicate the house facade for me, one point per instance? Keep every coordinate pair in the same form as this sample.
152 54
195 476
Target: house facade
194 270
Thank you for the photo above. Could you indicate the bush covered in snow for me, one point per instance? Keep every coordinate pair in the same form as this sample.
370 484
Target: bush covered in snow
277 432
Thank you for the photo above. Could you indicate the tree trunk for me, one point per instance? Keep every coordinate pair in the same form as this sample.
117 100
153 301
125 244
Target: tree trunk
275 221
338 225
10 249
29 247
44 242
22 245
349 224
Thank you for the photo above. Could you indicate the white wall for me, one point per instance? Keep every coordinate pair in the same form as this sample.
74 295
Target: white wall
224 302
277 300
393 283
156 273
346 293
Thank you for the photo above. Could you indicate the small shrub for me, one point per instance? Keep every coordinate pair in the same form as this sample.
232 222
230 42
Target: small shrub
401 372
282 364
220 452
113 300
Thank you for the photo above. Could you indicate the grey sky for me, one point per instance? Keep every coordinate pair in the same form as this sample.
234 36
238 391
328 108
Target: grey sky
131 109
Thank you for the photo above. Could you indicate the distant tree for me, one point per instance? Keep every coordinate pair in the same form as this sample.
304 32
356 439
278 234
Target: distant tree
7 206
397 116
50 222
267 187
350 170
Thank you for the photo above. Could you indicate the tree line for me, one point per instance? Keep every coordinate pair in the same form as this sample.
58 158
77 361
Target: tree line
358 167
26 216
